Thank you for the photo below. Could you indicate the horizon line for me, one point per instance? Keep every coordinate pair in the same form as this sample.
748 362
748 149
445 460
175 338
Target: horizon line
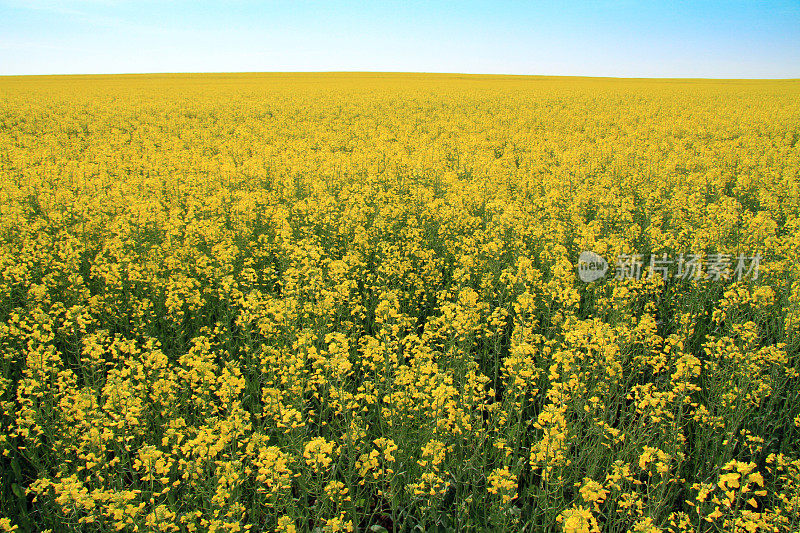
355 72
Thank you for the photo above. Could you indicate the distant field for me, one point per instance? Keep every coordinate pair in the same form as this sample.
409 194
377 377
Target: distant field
353 302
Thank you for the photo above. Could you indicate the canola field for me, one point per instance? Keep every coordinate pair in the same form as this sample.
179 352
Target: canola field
352 302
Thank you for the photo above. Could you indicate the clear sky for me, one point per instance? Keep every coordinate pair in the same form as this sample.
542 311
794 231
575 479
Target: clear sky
670 38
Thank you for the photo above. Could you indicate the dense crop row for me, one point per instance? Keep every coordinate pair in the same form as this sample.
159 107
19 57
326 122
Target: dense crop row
343 302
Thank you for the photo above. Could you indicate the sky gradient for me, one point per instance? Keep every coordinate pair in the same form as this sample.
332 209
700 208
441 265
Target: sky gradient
591 38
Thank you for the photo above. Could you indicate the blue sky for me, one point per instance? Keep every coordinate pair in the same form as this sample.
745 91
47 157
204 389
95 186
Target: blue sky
591 38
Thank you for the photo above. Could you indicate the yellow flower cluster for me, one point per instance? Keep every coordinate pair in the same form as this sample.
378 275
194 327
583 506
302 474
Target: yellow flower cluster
351 302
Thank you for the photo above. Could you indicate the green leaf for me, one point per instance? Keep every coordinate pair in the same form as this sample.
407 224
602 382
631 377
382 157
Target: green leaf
378 529
17 490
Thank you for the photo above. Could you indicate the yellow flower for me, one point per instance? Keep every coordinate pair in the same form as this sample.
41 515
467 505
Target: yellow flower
317 453
592 492
286 525
502 482
578 520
